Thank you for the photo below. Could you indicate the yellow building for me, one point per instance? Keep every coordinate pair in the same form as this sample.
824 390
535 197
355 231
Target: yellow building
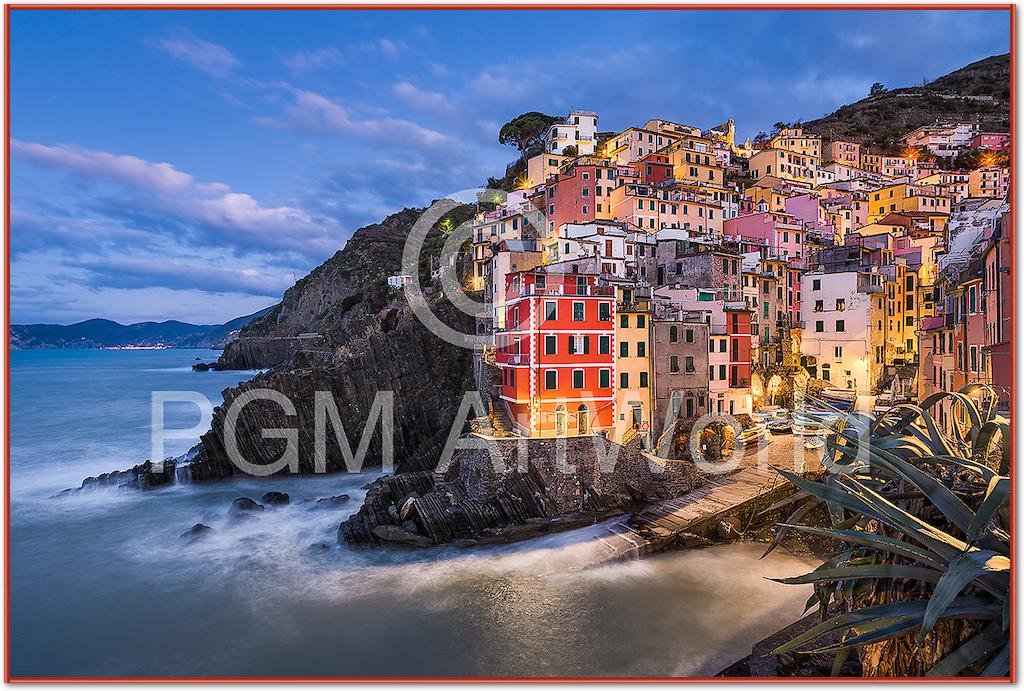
632 349
788 165
795 140
906 197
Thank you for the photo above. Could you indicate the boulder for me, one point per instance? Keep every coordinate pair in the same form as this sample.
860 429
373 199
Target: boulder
244 505
200 367
395 535
273 498
196 532
332 502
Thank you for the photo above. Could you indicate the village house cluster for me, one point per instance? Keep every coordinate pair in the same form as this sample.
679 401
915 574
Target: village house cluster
666 271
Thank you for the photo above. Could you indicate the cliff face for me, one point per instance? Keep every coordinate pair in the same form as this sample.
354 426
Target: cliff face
343 296
426 374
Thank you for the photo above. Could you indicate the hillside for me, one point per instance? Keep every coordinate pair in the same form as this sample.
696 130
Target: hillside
104 333
979 92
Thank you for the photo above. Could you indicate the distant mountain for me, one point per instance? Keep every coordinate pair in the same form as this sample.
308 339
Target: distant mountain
979 92
103 333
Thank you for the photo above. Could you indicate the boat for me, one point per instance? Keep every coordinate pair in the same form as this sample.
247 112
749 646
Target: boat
814 443
808 429
780 427
750 436
781 414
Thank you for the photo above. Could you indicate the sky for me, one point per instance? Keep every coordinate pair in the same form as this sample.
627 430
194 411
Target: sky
193 164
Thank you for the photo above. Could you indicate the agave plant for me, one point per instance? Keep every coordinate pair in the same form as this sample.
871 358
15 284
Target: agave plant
925 571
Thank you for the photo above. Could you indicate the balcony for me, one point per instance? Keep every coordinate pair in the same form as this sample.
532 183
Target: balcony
739 383
871 289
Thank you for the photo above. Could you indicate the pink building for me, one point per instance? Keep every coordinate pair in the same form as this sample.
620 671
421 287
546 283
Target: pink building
997 141
781 235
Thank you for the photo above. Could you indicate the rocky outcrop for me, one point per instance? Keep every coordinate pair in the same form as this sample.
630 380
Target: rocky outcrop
426 374
263 353
536 486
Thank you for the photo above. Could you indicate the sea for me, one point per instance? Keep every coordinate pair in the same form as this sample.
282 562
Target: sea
102 584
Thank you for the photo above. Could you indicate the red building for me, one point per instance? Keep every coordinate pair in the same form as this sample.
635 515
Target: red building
737 327
556 354
997 141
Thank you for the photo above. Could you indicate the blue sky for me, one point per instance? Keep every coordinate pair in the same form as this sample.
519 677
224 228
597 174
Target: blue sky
191 164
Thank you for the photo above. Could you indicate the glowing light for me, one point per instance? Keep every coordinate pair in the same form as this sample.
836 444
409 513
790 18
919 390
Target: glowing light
988 160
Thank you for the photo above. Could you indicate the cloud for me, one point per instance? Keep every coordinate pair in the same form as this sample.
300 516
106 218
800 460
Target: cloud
314 113
119 272
215 212
499 87
389 48
307 61
211 58
430 101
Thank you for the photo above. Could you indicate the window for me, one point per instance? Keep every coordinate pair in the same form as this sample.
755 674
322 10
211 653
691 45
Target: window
840 325
623 380
578 311
840 304
711 372
711 345
604 378
673 363
550 345
643 380
839 352
515 316
641 321
641 349
819 305
689 335
689 364
551 379
577 379
722 346
819 326
816 284
623 348
604 311
673 334
721 372
550 310
604 345
623 321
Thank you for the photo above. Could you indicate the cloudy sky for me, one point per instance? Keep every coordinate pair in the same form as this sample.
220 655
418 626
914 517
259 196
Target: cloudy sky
191 164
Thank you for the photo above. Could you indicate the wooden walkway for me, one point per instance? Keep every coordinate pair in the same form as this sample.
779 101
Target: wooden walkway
685 519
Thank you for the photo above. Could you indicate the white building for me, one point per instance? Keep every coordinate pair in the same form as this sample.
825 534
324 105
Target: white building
843 317
579 130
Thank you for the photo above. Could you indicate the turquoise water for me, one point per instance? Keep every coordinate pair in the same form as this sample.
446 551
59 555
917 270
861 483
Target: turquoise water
101 585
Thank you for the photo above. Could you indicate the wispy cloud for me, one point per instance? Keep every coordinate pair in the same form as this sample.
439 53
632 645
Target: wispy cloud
314 113
309 60
221 215
429 101
209 57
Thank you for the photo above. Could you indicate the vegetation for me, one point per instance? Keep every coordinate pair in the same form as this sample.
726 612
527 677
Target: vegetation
525 130
877 89
922 585
979 92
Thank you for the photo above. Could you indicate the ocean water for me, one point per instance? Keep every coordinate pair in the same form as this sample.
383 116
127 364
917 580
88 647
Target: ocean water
102 585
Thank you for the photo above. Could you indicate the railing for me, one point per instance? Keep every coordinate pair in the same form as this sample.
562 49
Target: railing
739 383
568 290
872 289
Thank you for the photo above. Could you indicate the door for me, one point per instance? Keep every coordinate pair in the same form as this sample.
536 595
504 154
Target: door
637 414
583 420
560 421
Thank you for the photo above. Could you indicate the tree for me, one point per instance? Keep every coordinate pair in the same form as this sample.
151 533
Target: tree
572 151
759 139
877 89
778 127
525 130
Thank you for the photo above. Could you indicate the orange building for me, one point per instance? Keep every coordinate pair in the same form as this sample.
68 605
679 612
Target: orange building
556 353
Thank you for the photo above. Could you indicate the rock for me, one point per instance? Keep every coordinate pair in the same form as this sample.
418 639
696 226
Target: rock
399 536
410 526
318 548
729 529
408 507
196 532
332 502
273 498
200 367
244 505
